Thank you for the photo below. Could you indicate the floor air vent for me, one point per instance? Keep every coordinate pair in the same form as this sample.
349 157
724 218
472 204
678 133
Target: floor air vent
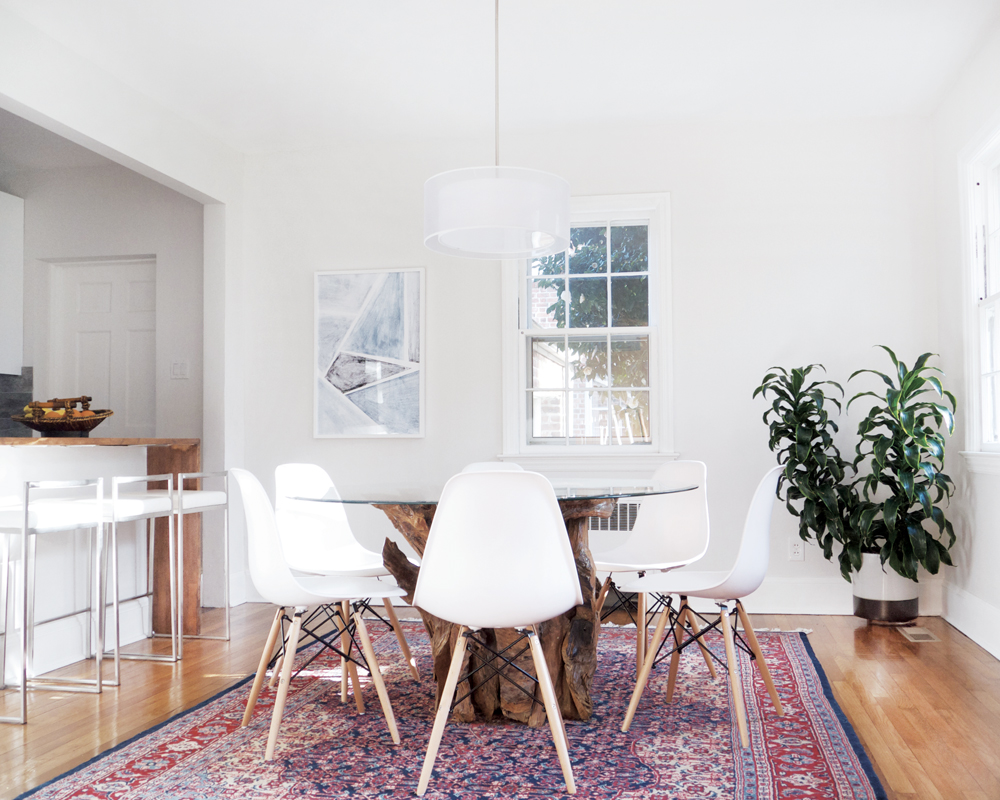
918 634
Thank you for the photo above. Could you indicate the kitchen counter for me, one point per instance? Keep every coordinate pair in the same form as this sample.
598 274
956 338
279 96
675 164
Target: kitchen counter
162 456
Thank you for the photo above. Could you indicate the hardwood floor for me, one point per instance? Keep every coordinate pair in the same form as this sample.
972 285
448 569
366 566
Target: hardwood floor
67 729
928 714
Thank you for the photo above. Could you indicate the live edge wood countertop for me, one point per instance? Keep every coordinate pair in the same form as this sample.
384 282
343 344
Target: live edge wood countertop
64 442
162 456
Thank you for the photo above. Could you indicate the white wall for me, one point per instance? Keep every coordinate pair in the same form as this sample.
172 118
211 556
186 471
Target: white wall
48 84
967 117
105 212
764 215
792 243
11 284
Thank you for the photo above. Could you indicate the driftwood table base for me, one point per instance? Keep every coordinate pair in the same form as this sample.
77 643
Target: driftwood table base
568 641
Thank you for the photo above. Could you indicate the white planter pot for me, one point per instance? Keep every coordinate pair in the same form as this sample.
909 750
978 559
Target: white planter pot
884 596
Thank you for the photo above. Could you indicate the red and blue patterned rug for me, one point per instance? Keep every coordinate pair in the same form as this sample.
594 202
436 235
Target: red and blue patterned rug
687 751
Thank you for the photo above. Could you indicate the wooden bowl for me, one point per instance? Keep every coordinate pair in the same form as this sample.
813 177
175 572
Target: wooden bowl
64 424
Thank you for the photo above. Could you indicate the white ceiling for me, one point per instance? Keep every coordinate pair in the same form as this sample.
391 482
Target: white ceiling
265 75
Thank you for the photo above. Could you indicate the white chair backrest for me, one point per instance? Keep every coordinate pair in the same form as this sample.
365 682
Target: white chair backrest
498 555
750 568
307 527
492 466
671 529
270 573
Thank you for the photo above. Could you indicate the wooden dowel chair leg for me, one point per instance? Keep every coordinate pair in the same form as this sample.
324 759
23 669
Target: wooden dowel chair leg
640 682
732 662
599 606
443 711
675 659
383 697
286 677
352 668
265 657
276 671
401 638
552 711
640 631
765 673
345 642
693 622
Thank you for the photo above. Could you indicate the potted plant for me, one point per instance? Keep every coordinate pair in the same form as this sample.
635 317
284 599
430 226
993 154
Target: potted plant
881 509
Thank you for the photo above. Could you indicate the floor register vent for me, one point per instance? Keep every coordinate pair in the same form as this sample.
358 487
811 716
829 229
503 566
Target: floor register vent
915 634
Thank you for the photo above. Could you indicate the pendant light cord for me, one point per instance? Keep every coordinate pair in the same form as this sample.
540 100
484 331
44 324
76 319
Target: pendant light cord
496 78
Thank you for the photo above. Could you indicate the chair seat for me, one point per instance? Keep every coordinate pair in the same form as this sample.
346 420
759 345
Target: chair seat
627 561
680 581
132 505
339 588
199 498
48 515
347 560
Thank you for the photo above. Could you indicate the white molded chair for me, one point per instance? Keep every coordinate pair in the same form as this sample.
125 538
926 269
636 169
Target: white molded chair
670 531
509 522
316 537
745 577
274 580
23 520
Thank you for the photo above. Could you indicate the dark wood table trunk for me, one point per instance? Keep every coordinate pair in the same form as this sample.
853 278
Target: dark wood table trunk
569 641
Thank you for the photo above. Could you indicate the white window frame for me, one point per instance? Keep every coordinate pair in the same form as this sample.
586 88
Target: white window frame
982 198
551 457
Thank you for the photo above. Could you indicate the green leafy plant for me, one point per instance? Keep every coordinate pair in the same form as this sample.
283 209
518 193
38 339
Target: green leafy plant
813 484
892 509
902 445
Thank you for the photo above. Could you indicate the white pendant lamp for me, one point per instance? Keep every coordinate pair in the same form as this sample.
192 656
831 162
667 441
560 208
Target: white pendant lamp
496 212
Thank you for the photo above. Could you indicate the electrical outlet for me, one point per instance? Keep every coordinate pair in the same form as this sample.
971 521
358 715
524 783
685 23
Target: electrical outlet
796 549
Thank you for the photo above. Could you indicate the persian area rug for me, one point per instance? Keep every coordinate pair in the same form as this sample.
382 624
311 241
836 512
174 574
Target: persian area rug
686 751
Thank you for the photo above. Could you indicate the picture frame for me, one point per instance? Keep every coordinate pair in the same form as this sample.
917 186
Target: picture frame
369 361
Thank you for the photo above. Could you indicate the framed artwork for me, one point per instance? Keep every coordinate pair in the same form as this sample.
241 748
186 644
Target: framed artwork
369 340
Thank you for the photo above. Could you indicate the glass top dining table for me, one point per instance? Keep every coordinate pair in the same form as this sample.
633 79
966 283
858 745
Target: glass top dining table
562 493
571 639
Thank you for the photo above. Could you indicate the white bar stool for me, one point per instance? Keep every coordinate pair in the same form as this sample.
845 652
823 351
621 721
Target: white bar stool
194 501
134 506
24 520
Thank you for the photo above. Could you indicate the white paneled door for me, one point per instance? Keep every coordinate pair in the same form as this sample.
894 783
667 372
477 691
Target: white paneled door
104 341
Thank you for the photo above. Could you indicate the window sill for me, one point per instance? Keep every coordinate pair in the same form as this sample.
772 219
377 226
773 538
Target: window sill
612 466
982 463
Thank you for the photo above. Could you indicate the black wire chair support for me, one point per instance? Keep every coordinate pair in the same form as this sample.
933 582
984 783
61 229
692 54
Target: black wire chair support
325 613
488 664
365 605
654 605
621 602
709 624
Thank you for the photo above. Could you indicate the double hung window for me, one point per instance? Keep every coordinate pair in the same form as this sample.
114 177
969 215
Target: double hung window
588 335
986 285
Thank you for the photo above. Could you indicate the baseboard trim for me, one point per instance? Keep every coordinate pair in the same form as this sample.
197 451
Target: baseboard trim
973 617
815 596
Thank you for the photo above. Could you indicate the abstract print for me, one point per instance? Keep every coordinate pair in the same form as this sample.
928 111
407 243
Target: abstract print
369 354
